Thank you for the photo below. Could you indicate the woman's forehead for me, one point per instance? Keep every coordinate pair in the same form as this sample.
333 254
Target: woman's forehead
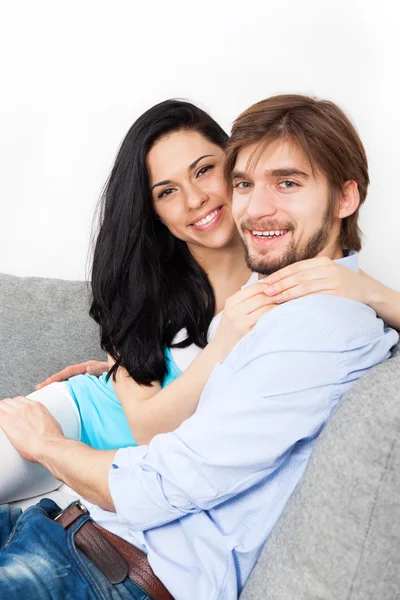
177 151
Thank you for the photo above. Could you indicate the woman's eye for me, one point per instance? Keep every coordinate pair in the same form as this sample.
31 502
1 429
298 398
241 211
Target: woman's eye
287 185
204 170
166 193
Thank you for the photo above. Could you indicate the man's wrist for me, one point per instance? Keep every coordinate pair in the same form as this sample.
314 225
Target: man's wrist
46 447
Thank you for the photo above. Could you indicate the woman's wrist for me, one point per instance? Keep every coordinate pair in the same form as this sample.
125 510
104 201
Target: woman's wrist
219 347
375 293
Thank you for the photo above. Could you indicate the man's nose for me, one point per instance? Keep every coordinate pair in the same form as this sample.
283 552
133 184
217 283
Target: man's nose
196 197
261 203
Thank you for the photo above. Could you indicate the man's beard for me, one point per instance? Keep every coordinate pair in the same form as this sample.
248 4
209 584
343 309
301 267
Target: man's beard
266 265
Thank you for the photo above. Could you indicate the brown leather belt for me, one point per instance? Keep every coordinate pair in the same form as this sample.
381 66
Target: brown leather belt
113 556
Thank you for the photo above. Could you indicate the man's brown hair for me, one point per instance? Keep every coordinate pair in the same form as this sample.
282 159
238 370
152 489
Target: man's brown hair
322 131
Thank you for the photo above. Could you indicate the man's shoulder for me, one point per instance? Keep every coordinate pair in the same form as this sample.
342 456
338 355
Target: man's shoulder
326 319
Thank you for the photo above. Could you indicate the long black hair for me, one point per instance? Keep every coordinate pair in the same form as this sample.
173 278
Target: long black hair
146 285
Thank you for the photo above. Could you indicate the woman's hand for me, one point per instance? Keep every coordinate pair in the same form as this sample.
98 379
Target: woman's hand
242 311
319 275
92 367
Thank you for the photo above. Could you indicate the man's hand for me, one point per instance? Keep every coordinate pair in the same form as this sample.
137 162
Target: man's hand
27 424
92 367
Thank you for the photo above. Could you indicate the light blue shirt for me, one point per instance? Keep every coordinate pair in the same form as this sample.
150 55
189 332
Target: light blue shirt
202 500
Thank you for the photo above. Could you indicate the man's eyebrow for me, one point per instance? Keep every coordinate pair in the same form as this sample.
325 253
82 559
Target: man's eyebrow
238 175
190 167
287 173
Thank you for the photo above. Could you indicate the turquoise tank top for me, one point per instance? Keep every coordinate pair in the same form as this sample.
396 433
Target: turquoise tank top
103 421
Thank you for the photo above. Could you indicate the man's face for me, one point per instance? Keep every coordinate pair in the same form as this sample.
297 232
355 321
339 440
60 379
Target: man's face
281 208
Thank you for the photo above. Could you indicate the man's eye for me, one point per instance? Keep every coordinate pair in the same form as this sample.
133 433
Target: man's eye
166 193
204 170
242 185
287 185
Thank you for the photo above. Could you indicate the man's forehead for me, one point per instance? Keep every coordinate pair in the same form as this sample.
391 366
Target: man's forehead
273 156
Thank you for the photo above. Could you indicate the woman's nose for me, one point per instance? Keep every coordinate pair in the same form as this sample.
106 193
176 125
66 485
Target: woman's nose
196 197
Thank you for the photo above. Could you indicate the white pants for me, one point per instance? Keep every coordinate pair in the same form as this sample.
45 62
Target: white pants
23 482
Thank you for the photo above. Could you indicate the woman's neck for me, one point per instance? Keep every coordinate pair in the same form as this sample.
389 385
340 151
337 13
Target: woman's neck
225 267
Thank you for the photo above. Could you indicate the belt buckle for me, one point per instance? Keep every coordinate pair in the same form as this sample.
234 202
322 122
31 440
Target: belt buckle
76 503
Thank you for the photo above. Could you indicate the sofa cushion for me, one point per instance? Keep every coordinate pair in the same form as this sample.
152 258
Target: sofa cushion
44 326
339 536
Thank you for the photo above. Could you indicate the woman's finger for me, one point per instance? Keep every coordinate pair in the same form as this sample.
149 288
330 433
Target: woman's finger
256 302
246 293
303 289
256 315
303 265
238 312
322 274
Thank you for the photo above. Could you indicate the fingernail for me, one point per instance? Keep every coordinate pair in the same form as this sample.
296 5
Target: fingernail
270 290
269 279
278 298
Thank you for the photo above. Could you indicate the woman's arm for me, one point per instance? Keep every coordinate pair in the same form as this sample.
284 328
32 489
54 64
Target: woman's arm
152 410
322 275
384 300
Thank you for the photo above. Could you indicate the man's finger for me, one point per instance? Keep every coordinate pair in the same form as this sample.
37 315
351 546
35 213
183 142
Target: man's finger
65 374
97 369
8 405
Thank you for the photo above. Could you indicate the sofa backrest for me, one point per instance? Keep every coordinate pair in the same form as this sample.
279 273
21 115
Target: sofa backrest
44 327
339 536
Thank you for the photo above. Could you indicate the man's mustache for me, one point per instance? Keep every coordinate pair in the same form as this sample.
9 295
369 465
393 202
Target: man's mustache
265 225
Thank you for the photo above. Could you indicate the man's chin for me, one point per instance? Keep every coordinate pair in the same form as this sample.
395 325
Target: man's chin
265 264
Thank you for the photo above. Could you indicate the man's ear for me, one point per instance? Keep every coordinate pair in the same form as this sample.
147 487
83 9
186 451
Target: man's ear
349 199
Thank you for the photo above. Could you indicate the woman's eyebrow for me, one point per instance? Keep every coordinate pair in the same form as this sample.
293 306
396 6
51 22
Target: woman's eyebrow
190 167
166 182
196 162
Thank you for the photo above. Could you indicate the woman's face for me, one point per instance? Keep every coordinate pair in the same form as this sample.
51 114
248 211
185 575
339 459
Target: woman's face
188 188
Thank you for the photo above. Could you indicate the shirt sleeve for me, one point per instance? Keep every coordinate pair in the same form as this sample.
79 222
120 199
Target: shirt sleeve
277 388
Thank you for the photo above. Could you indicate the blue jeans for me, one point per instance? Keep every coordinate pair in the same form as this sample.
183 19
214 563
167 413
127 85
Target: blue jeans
39 560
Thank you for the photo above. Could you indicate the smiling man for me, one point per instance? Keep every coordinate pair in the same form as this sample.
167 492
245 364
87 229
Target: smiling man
299 174
192 510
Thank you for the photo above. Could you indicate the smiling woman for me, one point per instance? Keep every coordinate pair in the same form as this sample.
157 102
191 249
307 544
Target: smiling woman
191 197
168 259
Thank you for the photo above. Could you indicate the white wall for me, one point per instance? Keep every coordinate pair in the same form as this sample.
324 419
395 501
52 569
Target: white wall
76 74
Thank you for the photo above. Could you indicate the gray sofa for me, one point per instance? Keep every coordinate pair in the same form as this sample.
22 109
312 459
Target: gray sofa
339 537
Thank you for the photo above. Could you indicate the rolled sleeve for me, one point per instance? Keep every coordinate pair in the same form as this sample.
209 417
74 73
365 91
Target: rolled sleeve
277 388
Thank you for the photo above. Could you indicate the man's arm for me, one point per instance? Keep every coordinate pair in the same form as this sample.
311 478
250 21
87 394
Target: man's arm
38 437
277 388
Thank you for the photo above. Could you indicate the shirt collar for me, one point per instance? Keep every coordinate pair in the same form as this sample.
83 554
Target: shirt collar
350 261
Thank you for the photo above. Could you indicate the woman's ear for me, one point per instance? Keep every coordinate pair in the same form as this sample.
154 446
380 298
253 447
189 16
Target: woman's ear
349 199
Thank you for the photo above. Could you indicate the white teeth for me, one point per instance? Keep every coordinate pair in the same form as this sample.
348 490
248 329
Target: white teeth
208 218
269 233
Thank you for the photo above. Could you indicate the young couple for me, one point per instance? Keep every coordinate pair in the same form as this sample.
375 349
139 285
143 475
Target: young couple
173 250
